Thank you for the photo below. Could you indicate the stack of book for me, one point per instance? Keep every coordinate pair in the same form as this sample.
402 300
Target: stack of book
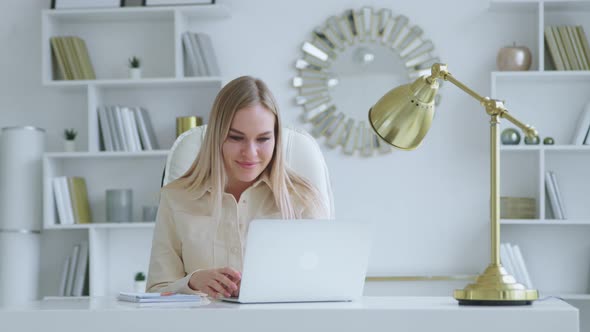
568 47
554 194
167 299
126 129
199 55
582 132
74 278
71 59
513 261
71 200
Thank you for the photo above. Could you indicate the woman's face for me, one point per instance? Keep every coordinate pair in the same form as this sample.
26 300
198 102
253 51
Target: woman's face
249 145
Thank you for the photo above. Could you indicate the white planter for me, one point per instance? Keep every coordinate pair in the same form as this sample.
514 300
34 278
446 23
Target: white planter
70 146
135 73
139 286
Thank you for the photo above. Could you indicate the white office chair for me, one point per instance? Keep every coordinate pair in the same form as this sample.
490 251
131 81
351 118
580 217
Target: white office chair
301 151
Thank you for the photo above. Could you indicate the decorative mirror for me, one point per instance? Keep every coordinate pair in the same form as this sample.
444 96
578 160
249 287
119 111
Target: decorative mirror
351 62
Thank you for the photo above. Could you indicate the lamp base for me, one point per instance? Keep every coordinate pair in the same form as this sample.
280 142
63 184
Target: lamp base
495 287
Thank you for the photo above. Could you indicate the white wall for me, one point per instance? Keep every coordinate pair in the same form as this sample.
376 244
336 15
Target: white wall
430 205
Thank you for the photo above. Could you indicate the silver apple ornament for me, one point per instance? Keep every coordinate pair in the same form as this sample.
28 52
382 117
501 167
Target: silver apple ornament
514 58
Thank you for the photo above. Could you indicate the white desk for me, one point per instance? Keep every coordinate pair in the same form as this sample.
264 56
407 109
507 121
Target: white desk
368 314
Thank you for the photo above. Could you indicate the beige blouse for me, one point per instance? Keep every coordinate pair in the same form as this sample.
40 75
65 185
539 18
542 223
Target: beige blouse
187 239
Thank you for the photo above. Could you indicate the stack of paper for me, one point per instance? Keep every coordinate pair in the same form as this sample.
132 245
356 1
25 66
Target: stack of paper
168 300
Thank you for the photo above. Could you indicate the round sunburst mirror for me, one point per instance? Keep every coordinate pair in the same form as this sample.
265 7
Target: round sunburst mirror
350 62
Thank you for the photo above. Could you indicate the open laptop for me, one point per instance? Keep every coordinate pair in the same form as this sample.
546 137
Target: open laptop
304 261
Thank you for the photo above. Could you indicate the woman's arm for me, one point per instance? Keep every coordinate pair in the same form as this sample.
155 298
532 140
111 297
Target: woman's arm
166 271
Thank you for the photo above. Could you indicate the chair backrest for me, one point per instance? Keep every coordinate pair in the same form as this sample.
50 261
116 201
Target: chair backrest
301 151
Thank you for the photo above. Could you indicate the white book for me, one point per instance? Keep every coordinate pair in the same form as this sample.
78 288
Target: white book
582 127
505 259
518 274
126 145
552 195
105 130
558 195
67 198
206 47
81 267
64 277
141 126
59 201
112 116
134 128
527 278
72 270
147 125
201 67
190 63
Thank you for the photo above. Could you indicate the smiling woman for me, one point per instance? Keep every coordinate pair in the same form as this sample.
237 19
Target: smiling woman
238 175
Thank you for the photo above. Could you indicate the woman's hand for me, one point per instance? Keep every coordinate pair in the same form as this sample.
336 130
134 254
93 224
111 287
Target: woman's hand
216 282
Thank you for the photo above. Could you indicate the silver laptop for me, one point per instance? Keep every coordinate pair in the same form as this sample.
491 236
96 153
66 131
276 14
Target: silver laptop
304 261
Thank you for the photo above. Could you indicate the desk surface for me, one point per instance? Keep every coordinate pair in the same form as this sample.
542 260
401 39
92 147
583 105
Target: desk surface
403 313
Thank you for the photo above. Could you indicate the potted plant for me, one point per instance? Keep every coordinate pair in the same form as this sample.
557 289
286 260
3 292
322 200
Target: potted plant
134 67
70 139
139 285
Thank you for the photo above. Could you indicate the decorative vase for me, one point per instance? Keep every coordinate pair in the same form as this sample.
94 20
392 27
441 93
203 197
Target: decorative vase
139 286
69 145
514 58
531 141
510 136
548 141
135 73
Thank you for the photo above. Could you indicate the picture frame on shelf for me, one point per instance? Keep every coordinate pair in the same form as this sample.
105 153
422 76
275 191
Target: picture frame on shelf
150 3
85 4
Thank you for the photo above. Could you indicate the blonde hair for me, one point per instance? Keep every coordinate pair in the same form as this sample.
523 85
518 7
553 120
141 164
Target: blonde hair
241 93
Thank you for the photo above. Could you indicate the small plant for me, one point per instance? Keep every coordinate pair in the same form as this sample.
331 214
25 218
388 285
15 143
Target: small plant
139 276
134 62
70 134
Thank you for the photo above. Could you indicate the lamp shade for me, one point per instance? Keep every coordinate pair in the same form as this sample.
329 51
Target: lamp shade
403 116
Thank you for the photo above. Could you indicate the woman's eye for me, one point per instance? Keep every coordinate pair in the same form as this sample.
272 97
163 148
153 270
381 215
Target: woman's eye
235 138
263 139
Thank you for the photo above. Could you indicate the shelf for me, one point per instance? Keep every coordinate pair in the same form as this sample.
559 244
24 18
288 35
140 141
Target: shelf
570 6
582 297
135 13
544 222
567 148
208 81
125 225
106 154
543 76
519 6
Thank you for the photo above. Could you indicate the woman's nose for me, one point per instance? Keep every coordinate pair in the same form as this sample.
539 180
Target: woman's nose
249 149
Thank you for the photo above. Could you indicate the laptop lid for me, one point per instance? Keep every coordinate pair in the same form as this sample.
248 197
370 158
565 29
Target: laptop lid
304 260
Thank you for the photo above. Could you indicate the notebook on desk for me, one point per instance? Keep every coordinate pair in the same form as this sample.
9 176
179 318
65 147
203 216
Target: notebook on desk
304 261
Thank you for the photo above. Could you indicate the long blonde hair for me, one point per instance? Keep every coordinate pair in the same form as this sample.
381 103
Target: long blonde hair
240 93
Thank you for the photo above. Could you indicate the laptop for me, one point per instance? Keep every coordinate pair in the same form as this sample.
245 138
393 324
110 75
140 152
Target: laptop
304 261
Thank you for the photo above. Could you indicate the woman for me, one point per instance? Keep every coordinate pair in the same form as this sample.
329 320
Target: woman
238 175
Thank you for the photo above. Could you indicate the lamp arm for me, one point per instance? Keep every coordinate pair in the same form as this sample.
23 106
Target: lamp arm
492 106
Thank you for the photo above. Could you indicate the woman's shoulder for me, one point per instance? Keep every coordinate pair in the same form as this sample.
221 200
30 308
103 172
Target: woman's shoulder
179 189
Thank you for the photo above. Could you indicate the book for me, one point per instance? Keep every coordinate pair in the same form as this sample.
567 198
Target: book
551 45
582 127
105 130
190 63
561 48
144 126
60 204
558 195
64 277
584 41
206 48
81 267
72 270
505 260
58 59
550 190
79 197
520 261
201 68
158 297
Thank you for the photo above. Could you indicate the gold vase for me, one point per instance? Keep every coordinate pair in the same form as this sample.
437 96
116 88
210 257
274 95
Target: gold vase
184 123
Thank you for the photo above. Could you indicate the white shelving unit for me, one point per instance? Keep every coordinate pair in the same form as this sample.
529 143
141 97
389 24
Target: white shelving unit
119 250
557 252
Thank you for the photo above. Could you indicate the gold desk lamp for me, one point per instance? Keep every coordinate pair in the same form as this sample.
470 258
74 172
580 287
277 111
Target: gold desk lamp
402 118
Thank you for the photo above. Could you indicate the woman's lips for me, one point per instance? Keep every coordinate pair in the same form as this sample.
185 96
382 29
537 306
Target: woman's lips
247 164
